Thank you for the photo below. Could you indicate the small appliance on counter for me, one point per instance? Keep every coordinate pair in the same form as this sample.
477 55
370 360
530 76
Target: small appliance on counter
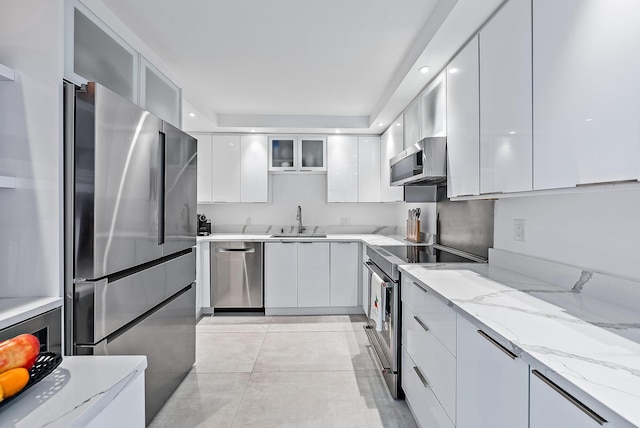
204 225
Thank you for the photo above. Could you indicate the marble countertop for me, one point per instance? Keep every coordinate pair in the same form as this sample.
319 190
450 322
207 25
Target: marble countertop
589 347
15 310
78 390
369 239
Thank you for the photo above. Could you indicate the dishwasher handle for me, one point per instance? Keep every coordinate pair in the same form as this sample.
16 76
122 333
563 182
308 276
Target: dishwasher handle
235 250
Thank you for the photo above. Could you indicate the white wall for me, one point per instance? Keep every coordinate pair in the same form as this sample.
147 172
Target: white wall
598 231
308 191
31 34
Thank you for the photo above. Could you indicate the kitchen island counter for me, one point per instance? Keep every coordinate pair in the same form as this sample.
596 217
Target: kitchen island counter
83 391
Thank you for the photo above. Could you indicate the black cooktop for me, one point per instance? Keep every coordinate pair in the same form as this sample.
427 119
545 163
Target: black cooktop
388 257
422 254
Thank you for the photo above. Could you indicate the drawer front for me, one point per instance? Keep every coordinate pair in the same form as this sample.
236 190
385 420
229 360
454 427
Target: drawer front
440 318
436 363
423 403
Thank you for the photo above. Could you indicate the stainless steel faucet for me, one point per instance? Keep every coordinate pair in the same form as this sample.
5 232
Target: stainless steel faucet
299 218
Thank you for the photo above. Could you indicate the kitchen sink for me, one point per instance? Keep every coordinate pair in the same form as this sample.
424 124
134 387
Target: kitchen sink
299 235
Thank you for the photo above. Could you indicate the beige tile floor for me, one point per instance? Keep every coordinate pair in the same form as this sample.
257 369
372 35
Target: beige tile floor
257 371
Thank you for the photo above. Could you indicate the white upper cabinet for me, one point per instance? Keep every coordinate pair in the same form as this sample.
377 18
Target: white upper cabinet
158 94
226 168
342 168
95 53
369 169
390 145
312 154
463 122
586 86
412 127
297 153
283 153
254 176
205 170
433 108
506 159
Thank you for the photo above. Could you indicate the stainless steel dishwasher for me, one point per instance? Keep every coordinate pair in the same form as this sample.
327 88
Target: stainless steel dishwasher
237 275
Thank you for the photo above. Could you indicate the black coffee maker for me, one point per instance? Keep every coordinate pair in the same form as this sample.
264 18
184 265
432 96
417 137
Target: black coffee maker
204 225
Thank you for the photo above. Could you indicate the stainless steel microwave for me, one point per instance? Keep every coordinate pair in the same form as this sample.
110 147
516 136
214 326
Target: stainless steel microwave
424 162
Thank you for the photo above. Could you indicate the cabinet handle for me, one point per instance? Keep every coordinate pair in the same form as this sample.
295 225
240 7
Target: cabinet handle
497 345
422 378
420 287
419 321
604 183
593 415
236 250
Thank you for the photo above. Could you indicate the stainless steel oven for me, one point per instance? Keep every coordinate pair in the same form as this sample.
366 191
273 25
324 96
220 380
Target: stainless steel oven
385 337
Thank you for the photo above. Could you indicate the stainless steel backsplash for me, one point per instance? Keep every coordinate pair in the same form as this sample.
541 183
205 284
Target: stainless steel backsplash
466 225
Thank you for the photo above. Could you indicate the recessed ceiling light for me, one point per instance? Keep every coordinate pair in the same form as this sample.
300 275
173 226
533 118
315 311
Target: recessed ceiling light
192 115
398 124
512 132
337 131
380 124
453 70
424 69
588 119
253 130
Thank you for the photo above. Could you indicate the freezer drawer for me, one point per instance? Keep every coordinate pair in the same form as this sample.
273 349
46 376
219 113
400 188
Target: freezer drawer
236 275
167 338
102 307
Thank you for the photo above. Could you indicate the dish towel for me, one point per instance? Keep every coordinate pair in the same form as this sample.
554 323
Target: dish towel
376 311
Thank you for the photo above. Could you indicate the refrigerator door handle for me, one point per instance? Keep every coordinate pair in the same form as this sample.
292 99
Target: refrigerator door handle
162 138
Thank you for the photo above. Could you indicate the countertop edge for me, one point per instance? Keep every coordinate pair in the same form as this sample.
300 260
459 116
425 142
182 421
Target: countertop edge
19 309
529 357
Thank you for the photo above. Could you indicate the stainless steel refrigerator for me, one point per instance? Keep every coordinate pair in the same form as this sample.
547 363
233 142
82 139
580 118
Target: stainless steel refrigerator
130 227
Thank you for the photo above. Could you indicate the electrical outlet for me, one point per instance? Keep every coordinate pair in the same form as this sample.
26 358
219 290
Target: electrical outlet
519 228
247 221
345 221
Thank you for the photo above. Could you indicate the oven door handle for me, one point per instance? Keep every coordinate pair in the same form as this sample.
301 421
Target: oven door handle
375 269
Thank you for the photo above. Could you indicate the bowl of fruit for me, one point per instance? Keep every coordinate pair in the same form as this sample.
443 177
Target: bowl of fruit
22 365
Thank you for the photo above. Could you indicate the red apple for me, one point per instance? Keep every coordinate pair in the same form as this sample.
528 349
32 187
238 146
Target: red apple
21 351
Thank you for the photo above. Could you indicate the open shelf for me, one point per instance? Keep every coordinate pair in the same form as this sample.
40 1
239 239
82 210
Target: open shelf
7 73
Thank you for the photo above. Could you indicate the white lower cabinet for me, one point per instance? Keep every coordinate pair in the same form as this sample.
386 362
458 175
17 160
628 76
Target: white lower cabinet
492 384
281 275
344 274
429 360
313 274
550 406
424 405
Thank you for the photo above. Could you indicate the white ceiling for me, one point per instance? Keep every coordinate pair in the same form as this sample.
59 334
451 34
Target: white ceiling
293 65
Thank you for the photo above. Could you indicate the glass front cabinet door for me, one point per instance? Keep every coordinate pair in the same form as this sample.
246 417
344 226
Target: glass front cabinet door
293 153
312 154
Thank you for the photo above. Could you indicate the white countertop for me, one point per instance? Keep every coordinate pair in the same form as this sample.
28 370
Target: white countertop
15 310
79 389
589 347
369 239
